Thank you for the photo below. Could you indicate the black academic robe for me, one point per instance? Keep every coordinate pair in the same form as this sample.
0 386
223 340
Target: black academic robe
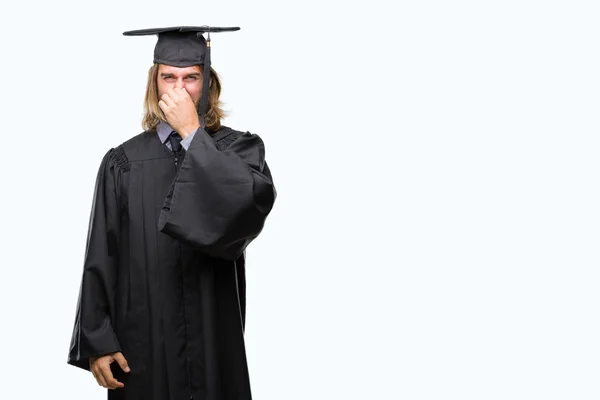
164 276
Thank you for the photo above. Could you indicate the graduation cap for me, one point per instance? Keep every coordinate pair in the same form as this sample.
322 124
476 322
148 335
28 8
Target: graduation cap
185 46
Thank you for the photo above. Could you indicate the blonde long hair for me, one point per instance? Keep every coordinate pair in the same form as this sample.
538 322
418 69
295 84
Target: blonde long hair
153 114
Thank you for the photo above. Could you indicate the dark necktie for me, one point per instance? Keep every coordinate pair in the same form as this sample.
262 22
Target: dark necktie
175 140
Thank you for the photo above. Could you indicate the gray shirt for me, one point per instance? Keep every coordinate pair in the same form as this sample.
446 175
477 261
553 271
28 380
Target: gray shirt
164 131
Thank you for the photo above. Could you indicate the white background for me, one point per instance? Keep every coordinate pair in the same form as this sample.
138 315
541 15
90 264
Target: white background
436 231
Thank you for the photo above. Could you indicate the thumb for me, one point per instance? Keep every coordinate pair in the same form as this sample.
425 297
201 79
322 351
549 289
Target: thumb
122 361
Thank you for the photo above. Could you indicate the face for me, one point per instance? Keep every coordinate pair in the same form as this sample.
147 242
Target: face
188 77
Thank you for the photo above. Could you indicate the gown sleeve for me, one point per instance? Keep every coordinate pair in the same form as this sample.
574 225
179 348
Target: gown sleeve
93 334
219 200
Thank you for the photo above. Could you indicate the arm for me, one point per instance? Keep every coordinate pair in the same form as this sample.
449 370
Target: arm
219 200
93 334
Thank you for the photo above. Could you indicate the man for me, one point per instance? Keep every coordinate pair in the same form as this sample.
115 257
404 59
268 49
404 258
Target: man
161 309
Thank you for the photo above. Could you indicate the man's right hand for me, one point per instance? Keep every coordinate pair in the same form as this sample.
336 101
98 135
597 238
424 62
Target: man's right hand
100 367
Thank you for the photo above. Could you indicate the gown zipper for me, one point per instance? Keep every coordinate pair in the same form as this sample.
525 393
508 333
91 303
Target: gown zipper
187 359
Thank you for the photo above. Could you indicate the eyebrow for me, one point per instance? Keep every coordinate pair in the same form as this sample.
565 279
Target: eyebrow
169 75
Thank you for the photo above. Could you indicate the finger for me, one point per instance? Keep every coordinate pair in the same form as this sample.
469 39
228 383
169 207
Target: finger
163 106
122 362
181 93
168 98
94 374
99 378
111 382
185 93
175 94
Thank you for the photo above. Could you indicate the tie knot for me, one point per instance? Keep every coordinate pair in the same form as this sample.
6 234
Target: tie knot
175 140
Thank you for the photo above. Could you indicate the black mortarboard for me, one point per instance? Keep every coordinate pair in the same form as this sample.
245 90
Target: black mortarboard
184 46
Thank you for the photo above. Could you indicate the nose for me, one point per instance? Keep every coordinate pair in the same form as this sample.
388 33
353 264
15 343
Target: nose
179 83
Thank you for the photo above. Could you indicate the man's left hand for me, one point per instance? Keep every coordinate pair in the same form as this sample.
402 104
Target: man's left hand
180 111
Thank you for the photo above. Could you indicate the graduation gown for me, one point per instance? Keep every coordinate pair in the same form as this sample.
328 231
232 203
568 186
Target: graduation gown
164 275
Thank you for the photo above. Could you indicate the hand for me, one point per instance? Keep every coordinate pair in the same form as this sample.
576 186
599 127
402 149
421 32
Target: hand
100 367
180 111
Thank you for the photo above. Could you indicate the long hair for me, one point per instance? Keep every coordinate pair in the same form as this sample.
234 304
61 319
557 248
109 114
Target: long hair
153 114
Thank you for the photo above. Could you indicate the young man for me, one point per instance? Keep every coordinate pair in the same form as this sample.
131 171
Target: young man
161 309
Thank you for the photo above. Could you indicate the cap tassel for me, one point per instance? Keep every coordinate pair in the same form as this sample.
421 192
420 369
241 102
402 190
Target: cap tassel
203 107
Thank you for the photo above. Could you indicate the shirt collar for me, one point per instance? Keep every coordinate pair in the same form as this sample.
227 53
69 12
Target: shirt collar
164 130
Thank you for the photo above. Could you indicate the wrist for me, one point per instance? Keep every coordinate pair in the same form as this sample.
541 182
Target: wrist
188 130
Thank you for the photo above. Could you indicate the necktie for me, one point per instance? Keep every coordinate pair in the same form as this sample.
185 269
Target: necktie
175 140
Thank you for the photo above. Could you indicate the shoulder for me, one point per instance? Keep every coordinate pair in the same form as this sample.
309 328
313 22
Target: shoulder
245 144
227 137
114 161
119 156
140 147
138 142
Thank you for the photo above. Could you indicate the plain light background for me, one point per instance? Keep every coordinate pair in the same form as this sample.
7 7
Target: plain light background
436 231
